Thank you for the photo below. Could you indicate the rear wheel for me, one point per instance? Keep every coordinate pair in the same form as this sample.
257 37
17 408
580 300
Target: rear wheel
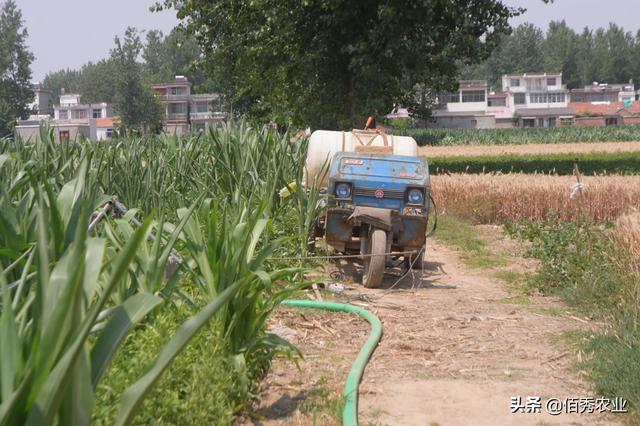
374 265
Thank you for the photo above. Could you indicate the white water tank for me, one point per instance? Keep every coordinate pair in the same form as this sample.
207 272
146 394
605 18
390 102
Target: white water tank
323 144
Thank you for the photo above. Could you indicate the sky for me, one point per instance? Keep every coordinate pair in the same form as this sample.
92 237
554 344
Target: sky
70 33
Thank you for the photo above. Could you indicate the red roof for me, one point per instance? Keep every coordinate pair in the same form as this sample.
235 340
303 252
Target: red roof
613 108
105 122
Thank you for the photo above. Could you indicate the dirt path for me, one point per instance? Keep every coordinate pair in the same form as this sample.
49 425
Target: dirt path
456 348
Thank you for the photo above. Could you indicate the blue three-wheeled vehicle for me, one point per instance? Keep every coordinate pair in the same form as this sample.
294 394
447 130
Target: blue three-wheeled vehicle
378 207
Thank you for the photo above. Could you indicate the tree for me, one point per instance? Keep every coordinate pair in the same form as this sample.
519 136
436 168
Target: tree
520 52
98 81
135 103
559 50
57 81
154 56
176 54
15 71
331 63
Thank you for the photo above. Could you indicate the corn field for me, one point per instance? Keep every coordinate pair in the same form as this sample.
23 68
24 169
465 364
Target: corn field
519 136
495 199
205 220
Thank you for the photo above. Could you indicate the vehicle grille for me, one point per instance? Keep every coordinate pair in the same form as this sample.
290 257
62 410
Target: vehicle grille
388 193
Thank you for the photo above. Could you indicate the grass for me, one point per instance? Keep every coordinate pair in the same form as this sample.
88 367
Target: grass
461 235
581 263
597 163
322 405
197 389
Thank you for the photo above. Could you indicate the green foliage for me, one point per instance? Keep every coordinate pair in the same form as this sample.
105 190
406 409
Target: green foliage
518 53
580 263
171 55
463 236
602 54
80 294
521 136
98 81
198 388
330 64
569 252
68 80
137 106
561 164
15 71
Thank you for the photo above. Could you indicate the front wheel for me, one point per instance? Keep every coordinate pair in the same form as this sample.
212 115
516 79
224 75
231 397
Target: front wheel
374 264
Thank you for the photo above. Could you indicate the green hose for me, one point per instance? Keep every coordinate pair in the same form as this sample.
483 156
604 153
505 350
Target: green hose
350 411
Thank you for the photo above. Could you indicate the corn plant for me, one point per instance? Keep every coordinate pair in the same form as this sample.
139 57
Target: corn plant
49 371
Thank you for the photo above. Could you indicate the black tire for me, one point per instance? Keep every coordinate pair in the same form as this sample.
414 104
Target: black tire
374 265
415 261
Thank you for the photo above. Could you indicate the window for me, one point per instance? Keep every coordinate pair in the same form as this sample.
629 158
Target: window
552 122
551 81
63 114
109 133
200 127
519 99
178 91
177 108
611 121
202 107
81 113
473 96
453 98
497 102
63 135
528 122
515 82
97 113
543 98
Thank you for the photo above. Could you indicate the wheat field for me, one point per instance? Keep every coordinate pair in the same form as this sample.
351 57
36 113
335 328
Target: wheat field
558 148
494 199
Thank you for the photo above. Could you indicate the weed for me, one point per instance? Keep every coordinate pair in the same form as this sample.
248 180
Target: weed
464 237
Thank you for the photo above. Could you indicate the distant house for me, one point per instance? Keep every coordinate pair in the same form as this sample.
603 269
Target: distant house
71 121
606 114
537 100
498 105
603 92
41 104
70 108
184 111
463 109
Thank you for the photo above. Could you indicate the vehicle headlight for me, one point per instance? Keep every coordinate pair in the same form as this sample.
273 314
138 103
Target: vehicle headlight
415 196
343 190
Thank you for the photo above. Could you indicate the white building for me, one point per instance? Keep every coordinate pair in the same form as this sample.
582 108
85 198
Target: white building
466 108
72 120
70 108
537 100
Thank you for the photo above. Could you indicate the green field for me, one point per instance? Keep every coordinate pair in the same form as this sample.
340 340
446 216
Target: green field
182 284
600 163
522 135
